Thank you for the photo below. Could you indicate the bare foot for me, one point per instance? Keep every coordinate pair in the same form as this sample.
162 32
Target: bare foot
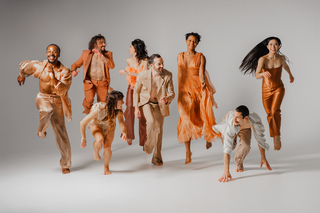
239 170
188 158
277 143
96 156
65 170
42 134
208 145
106 171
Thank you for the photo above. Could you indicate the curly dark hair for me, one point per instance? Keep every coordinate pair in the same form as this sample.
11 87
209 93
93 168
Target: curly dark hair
250 62
141 49
55 46
111 103
198 37
94 40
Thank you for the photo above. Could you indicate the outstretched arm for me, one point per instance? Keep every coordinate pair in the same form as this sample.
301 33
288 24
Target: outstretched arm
123 129
287 68
93 114
27 68
226 174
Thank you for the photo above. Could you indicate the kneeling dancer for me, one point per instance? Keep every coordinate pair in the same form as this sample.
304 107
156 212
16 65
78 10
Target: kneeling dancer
102 122
235 123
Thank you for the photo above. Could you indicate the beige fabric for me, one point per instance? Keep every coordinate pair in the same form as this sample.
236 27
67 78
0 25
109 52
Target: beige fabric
142 90
154 131
243 148
38 69
50 109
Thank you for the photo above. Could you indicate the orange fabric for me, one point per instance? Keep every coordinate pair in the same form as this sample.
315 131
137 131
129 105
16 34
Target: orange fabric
85 60
194 105
132 79
272 96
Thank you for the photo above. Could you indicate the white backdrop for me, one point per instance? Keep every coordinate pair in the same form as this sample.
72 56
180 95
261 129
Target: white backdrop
229 30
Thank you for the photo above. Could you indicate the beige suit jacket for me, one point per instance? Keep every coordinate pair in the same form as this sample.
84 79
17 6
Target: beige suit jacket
142 90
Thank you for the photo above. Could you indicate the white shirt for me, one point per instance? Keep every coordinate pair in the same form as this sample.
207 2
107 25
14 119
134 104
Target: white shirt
229 131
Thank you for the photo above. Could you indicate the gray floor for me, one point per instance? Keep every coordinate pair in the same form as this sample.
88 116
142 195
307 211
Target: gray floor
34 183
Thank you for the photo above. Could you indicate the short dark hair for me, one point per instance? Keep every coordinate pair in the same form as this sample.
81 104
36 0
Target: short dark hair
55 46
151 58
244 110
198 37
94 41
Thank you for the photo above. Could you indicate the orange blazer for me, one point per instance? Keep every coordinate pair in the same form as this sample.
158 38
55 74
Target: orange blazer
85 60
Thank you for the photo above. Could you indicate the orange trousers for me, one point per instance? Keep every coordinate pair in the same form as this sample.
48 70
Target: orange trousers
129 120
272 101
90 89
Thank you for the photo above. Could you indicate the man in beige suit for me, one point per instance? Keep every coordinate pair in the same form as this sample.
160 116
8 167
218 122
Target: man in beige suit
153 93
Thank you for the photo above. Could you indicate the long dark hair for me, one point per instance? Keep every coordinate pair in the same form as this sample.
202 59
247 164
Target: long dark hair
250 62
94 41
111 103
141 49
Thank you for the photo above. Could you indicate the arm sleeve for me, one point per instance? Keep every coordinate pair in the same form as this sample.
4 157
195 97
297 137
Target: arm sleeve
28 68
108 60
170 90
64 83
77 64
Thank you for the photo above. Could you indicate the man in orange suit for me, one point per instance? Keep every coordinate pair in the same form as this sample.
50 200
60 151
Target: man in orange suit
96 63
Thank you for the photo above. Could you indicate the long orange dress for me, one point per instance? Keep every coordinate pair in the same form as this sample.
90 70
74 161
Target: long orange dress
194 105
272 96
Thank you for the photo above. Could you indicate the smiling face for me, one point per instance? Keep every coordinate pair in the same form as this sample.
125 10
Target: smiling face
132 50
273 46
192 42
238 120
100 45
53 54
119 104
157 64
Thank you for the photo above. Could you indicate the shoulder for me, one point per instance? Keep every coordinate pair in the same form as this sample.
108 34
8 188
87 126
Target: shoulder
254 116
98 106
86 52
107 52
129 60
64 68
167 73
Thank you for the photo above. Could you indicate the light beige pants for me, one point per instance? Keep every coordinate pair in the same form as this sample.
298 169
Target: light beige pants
154 131
50 109
243 148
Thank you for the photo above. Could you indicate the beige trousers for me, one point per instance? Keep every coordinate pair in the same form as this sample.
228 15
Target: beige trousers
243 148
154 131
50 110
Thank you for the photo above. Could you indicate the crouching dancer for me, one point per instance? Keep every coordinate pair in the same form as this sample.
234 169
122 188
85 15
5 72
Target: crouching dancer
235 123
102 123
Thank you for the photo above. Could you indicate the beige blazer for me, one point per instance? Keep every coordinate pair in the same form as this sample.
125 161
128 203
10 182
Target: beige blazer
142 90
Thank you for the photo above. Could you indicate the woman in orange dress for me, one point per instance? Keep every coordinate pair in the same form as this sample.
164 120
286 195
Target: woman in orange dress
136 64
266 61
195 98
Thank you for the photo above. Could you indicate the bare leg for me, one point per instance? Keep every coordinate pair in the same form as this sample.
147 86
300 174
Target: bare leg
107 150
97 145
188 152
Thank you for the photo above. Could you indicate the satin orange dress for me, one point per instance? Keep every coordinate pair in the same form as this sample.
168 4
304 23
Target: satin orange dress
194 105
272 96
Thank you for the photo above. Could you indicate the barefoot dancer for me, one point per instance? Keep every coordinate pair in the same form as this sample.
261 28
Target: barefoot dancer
136 64
54 83
239 123
195 99
102 123
266 61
